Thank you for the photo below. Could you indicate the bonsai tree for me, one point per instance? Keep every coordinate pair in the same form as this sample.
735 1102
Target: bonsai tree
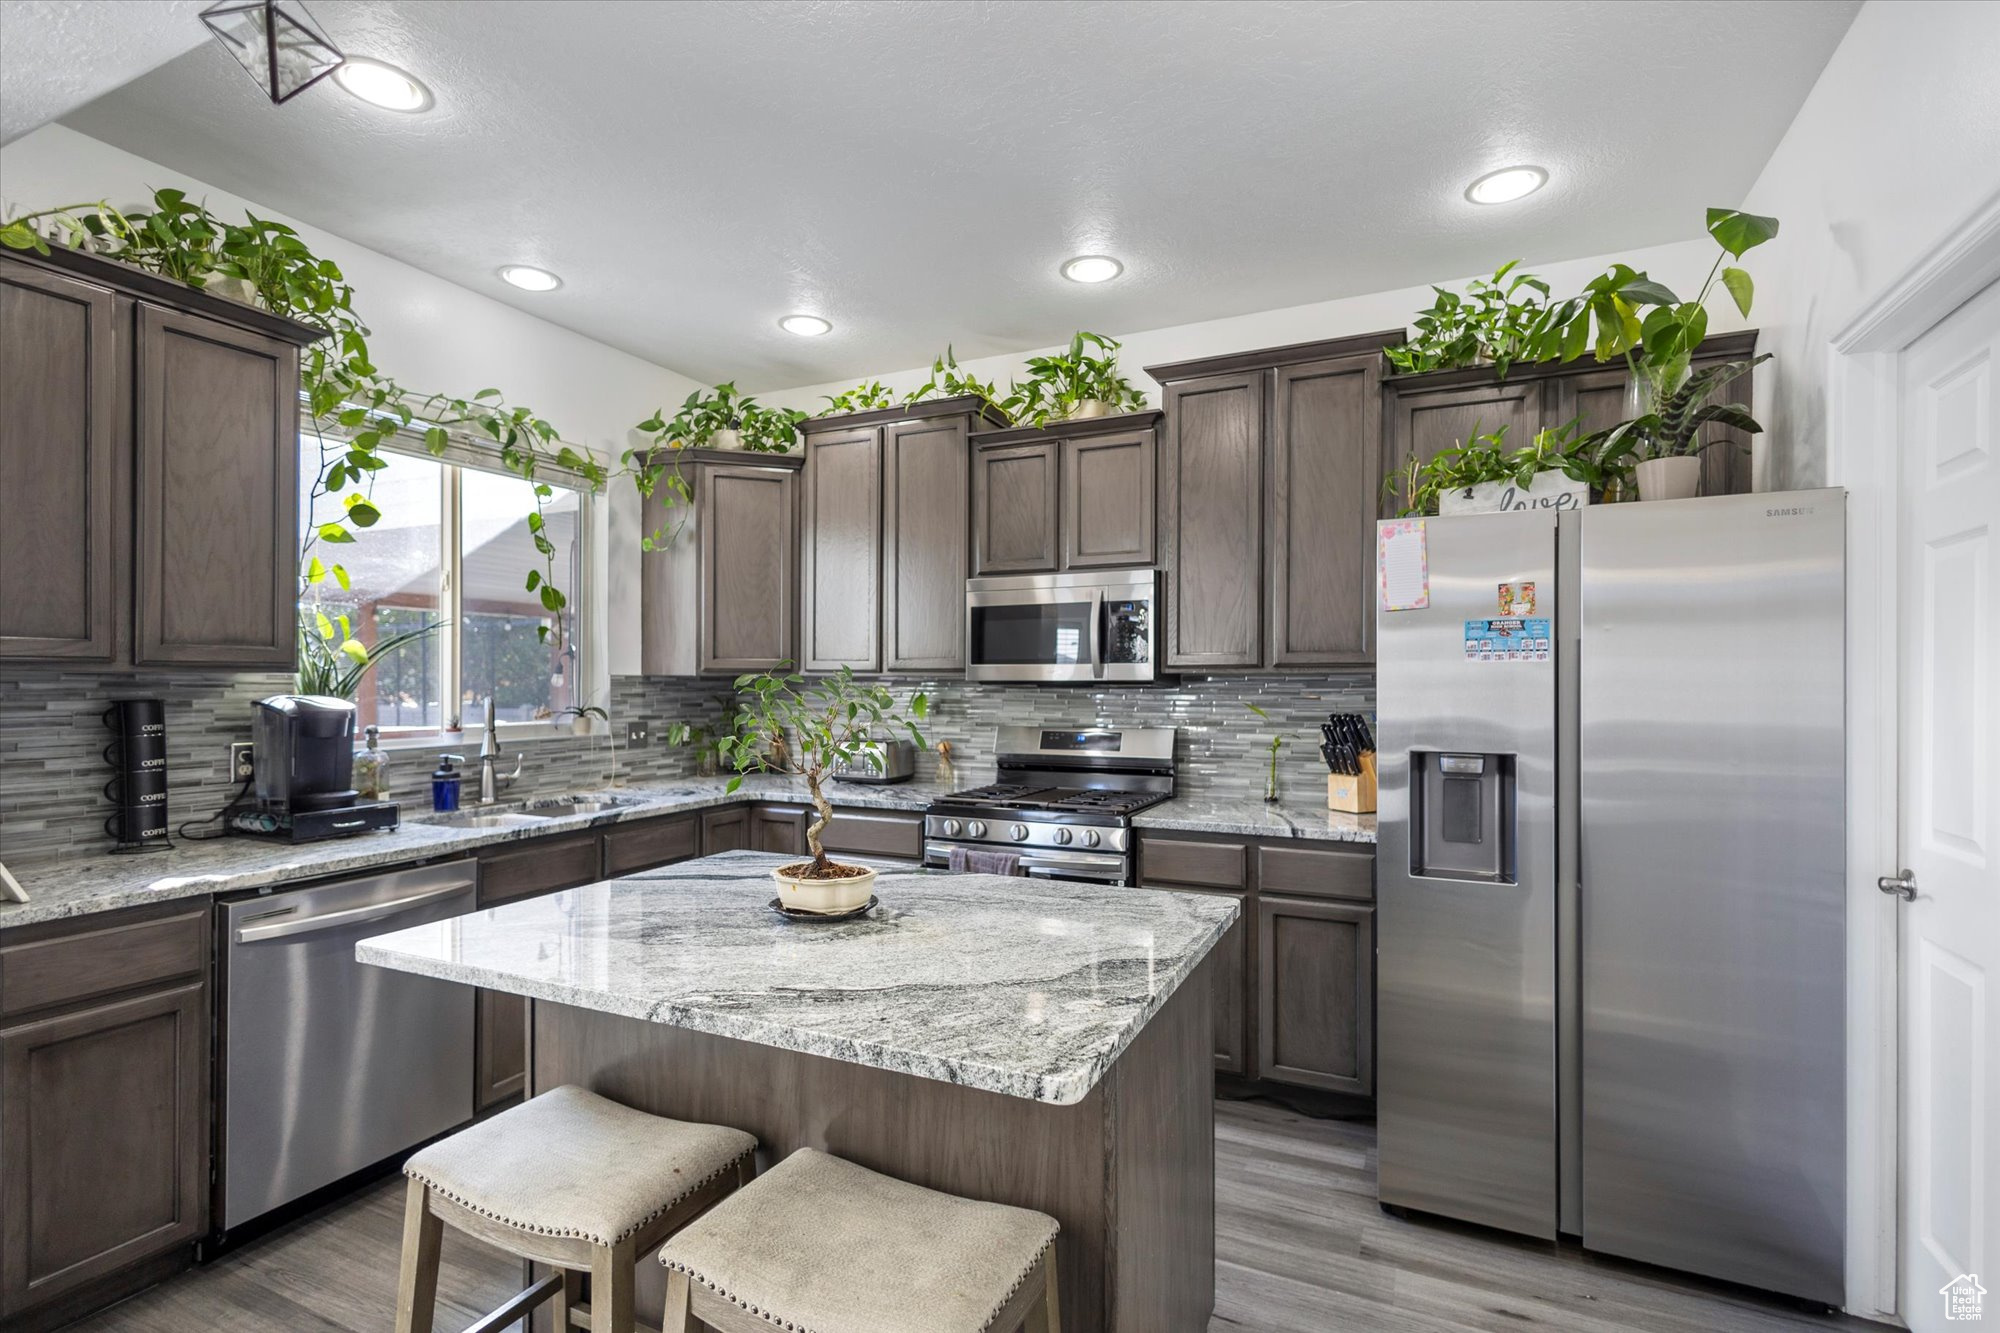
829 720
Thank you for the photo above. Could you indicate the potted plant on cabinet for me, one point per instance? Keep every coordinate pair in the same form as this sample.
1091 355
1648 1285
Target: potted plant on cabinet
1072 385
1482 476
830 719
868 397
949 381
1491 324
724 418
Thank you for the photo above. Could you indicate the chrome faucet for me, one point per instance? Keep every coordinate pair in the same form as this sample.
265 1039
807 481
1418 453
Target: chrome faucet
491 782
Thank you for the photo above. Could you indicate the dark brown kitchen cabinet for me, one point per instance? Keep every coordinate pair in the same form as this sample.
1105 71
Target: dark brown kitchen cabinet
149 451
1072 495
64 462
1425 414
646 844
888 516
1269 473
725 830
104 1108
1014 518
1315 993
1190 865
719 593
507 873
779 828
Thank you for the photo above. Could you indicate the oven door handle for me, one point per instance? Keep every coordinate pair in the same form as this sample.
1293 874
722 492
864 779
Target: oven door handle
1097 633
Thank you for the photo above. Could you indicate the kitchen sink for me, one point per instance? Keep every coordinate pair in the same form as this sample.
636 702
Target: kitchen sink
474 819
584 805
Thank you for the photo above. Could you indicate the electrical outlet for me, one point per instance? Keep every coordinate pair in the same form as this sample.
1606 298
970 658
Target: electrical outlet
242 761
636 733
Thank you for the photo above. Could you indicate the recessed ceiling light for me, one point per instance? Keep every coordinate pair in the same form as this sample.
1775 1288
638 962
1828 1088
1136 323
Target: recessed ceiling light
1506 185
530 279
382 85
1092 268
806 326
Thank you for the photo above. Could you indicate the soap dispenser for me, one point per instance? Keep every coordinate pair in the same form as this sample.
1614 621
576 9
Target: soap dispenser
444 783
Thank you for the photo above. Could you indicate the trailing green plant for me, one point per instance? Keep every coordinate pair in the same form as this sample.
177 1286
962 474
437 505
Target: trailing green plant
93 227
1058 385
1597 459
770 430
1492 321
831 718
948 381
332 662
869 397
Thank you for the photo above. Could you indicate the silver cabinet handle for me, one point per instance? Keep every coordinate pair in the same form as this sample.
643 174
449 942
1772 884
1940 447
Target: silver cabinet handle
1903 885
1097 634
334 920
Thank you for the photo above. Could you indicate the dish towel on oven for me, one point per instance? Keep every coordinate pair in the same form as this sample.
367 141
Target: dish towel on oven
972 861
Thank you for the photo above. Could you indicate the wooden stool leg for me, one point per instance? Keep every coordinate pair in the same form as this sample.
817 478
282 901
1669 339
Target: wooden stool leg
611 1300
1045 1315
416 1289
569 1299
676 1318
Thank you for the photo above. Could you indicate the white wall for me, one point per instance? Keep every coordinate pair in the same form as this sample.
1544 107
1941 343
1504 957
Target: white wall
1898 141
431 335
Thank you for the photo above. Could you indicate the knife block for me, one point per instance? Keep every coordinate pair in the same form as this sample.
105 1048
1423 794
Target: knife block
1353 793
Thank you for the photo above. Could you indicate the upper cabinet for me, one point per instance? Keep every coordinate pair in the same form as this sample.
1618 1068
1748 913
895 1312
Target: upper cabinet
1269 472
1431 412
887 524
1074 495
720 594
149 456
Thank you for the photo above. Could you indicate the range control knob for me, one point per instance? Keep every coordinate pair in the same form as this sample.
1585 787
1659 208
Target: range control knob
951 828
1019 833
1091 838
1062 836
976 829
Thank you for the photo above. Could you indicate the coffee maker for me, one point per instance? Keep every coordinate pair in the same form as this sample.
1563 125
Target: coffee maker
304 769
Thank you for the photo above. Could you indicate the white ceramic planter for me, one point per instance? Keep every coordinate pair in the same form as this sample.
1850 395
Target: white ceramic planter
1669 478
1548 490
726 439
823 895
1089 408
240 290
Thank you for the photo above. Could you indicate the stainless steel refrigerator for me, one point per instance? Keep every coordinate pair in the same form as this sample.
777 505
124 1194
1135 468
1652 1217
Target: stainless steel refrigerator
1610 929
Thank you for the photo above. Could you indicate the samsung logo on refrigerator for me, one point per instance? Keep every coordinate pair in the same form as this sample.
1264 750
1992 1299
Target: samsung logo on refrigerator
1796 511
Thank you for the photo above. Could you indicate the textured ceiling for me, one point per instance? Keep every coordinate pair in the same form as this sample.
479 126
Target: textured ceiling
915 172
55 55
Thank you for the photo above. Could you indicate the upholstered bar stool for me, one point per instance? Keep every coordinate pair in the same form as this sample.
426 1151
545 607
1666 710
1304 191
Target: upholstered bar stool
820 1244
571 1180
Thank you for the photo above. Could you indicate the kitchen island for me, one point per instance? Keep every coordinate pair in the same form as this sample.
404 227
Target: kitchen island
1045 1044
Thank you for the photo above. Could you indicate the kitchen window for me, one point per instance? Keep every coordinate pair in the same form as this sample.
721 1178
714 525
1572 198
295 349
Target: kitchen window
453 548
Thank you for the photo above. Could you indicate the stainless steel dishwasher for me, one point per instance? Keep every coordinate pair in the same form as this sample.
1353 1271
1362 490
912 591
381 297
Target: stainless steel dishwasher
330 1066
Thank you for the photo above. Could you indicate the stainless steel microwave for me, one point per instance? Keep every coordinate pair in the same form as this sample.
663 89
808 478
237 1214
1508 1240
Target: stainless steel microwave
1102 625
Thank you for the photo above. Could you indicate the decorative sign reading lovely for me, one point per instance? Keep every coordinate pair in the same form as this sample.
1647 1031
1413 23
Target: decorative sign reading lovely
1548 490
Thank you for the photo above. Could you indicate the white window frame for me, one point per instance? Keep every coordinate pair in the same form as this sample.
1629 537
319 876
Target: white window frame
588 603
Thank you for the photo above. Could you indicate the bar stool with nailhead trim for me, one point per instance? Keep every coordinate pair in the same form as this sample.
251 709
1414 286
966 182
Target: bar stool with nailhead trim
568 1179
820 1244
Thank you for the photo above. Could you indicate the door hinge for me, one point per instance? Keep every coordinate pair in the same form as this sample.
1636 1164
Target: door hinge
1903 884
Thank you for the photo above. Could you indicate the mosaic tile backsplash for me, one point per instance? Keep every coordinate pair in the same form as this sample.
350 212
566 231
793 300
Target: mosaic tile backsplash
53 771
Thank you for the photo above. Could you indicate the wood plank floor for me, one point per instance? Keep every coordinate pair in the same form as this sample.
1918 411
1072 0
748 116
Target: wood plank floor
1301 1248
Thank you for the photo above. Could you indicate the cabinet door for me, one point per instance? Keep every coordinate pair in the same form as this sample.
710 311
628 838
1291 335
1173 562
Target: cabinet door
779 828
63 467
500 1049
1108 501
645 844
725 830
1326 481
1212 511
216 569
104 1141
1014 509
1426 421
1232 960
843 551
1315 994
924 545
749 563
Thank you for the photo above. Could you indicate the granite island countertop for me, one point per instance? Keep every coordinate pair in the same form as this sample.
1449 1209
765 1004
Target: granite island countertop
1027 988
81 886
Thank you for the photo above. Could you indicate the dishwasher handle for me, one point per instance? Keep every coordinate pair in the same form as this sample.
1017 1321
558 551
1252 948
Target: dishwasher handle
312 925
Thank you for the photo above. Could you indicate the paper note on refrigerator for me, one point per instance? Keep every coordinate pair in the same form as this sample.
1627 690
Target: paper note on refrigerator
1403 565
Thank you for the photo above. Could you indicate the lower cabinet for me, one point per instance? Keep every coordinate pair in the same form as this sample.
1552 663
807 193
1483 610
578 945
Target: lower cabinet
643 844
725 830
1315 993
508 872
779 828
104 1125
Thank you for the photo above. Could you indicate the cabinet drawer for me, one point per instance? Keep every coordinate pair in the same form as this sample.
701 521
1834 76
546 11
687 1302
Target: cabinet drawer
102 958
644 844
541 866
1316 872
874 833
1214 865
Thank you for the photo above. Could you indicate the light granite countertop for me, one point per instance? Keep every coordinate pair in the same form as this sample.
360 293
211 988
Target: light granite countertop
85 885
1021 987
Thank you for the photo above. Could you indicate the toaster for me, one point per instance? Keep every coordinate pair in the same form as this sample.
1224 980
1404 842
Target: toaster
878 761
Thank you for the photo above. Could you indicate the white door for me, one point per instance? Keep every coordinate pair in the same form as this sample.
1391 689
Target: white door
1950 803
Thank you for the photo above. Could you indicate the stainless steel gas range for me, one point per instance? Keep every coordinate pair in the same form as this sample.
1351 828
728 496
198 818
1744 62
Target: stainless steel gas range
1064 801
